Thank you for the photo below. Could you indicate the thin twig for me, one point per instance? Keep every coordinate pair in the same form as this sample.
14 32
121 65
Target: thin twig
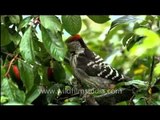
150 78
10 64
10 55
151 73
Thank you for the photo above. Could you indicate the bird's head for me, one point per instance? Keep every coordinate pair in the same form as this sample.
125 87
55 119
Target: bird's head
75 43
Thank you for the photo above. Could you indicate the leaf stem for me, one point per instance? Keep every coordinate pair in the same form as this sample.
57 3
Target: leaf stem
150 78
151 71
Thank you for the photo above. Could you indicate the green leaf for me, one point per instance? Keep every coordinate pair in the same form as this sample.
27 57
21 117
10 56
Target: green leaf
4 35
72 23
112 34
157 69
132 40
136 82
74 100
53 44
150 44
51 23
14 19
126 38
152 39
24 22
42 56
3 99
32 95
26 46
12 91
59 72
139 99
53 92
71 103
123 20
42 71
3 19
99 18
52 37
122 103
27 74
3 71
13 103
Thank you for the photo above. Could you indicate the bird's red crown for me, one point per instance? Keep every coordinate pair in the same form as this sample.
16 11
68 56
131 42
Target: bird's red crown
74 38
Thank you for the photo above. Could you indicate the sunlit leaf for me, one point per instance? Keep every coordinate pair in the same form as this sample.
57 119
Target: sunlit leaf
71 103
3 71
51 22
72 23
127 38
24 22
152 39
3 19
157 69
74 99
141 69
13 103
132 41
12 91
149 45
14 18
52 37
32 95
136 82
50 41
123 20
112 33
139 99
3 99
99 18
26 46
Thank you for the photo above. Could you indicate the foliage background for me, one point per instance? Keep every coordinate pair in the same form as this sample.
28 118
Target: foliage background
36 44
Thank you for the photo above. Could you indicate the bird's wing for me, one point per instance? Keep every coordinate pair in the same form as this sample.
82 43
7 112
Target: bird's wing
94 65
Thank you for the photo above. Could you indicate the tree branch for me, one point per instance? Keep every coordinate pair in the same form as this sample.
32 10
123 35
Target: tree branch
112 99
151 73
149 90
10 64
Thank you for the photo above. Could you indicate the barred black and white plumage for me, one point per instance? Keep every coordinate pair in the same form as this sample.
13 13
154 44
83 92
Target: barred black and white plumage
90 68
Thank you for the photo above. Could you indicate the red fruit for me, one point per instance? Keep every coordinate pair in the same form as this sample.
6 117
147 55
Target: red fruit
50 73
16 72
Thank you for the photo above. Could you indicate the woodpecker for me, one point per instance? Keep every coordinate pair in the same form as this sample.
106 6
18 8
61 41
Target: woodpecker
90 68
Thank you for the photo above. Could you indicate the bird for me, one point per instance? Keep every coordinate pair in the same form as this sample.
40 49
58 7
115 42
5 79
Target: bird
88 67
